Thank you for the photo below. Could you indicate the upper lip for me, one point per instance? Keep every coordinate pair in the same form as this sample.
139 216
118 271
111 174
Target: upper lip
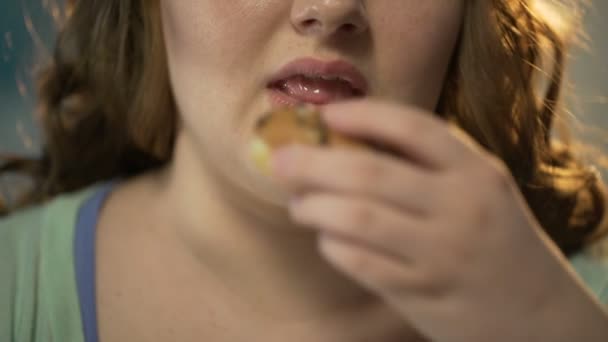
311 67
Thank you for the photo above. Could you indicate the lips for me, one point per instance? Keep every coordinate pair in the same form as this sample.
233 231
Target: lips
312 81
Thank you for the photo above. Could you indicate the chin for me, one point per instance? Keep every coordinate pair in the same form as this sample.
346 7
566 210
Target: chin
257 187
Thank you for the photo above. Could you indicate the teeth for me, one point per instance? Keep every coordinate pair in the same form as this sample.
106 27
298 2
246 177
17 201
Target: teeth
325 77
330 78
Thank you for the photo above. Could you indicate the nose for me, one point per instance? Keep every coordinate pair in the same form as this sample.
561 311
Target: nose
327 17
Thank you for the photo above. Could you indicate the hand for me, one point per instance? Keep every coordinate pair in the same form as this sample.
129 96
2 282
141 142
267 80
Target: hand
439 230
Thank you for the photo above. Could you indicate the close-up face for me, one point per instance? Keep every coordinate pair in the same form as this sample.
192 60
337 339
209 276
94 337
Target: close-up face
230 61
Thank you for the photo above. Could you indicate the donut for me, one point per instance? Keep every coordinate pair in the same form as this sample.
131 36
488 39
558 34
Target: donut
289 125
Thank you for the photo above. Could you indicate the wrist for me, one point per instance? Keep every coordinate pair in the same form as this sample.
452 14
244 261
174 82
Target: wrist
572 314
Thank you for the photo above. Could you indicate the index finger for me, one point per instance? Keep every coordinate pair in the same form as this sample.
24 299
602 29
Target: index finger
415 134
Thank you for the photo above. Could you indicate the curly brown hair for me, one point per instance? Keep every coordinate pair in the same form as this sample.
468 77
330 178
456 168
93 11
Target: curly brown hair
107 110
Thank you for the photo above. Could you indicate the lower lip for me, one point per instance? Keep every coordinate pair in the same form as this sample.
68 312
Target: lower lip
279 99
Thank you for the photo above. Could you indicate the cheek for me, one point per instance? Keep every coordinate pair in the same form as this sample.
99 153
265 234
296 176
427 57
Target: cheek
211 45
195 31
413 56
214 33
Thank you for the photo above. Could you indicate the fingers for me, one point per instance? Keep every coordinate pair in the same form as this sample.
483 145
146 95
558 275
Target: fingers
362 222
357 172
417 135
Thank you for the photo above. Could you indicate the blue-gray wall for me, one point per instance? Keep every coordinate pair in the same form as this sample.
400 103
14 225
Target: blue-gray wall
19 55
589 76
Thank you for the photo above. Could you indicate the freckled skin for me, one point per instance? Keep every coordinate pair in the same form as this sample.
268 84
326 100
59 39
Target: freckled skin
173 243
220 53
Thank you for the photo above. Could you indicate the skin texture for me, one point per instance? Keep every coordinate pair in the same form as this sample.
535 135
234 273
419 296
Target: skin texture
442 261
396 230
221 55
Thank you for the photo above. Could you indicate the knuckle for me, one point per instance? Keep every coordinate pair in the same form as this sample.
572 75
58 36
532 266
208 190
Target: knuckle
366 174
390 281
461 251
431 284
474 220
471 215
358 262
360 216
481 223
423 285
367 265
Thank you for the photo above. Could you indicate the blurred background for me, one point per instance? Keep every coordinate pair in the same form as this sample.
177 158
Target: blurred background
26 27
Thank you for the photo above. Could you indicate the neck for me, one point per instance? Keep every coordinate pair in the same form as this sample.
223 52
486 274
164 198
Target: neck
250 244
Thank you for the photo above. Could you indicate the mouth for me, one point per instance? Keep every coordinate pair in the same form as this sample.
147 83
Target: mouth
315 82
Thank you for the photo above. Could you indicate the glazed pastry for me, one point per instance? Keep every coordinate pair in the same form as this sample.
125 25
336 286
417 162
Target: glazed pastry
285 126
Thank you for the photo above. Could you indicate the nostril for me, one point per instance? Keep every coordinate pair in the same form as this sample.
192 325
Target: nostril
310 24
349 28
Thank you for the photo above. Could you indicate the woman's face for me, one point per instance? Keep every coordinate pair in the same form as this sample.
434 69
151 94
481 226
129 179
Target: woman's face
224 57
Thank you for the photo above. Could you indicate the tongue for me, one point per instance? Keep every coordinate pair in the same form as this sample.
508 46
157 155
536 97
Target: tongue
316 90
